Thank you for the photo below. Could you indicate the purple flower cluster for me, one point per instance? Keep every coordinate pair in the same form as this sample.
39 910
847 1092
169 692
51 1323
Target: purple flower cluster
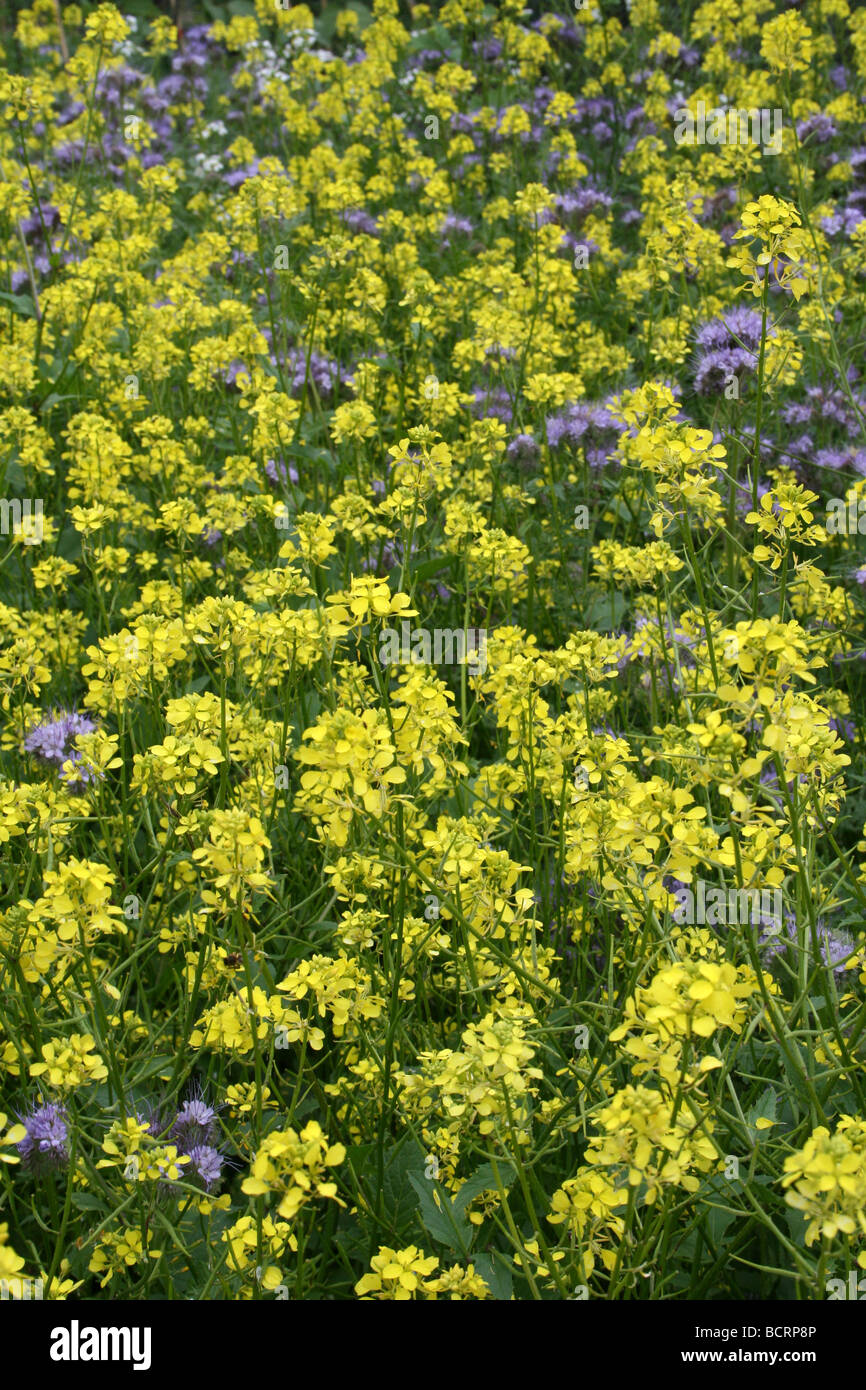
42 234
824 408
595 118
835 946
823 405
523 450
280 473
818 129
848 215
359 221
323 373
51 740
492 402
845 221
44 1147
453 230
728 348
123 89
583 425
576 205
194 1132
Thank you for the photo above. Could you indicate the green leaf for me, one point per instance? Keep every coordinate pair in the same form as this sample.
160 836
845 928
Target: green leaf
440 1220
53 400
21 303
482 1179
763 1109
717 1222
88 1201
605 611
797 1227
401 1160
496 1273
15 478
428 568
196 686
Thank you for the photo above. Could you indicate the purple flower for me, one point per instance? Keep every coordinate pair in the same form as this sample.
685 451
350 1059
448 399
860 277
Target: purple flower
586 426
835 946
574 206
230 374
279 473
739 327
797 413
235 177
492 401
153 1117
824 404
390 558
427 58
817 127
195 1124
567 33
719 368
453 228
326 375
523 450
488 50
358 220
500 352
43 1148
51 741
831 458
206 1164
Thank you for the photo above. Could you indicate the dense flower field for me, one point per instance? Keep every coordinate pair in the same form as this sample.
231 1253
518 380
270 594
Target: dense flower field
432 614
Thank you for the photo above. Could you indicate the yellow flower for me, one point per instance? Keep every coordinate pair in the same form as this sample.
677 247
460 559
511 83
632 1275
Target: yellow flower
70 1064
368 598
119 1251
14 1135
786 43
826 1180
354 420
106 25
10 1263
647 1139
397 1274
295 1167
351 767
232 858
